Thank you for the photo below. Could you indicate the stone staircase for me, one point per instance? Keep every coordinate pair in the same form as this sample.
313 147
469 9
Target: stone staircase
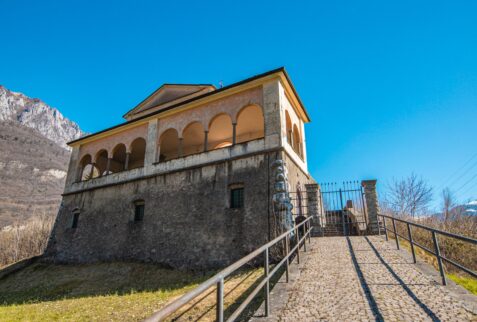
333 227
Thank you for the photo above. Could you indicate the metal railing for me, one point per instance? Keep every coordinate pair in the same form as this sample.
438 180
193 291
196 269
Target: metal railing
435 242
303 229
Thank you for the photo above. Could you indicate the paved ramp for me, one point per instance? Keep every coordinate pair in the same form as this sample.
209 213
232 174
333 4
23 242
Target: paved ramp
365 279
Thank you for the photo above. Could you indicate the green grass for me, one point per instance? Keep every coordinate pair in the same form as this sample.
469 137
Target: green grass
114 291
106 292
468 283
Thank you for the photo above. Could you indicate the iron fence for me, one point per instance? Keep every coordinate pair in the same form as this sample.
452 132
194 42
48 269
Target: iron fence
436 252
218 279
344 209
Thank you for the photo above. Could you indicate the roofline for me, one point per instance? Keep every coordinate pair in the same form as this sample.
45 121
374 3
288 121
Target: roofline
159 88
273 71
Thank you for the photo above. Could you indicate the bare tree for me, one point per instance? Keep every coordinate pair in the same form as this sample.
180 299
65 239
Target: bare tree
409 196
448 204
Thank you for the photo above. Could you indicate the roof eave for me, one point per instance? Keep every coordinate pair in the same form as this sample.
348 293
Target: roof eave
217 91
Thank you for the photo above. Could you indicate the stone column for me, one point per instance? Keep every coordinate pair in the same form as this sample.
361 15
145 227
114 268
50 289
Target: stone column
272 92
314 207
234 133
74 170
92 170
108 166
151 146
371 199
180 147
206 140
126 162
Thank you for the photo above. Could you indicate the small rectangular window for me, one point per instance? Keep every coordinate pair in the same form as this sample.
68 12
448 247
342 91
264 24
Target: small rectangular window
236 198
139 212
74 223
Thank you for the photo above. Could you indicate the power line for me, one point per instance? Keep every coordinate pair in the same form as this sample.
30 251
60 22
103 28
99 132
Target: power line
452 182
466 183
468 190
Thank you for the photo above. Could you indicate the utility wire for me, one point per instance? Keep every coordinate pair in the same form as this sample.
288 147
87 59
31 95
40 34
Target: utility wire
466 183
470 189
452 182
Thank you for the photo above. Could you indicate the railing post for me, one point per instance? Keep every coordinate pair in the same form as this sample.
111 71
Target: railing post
267 286
220 301
439 260
395 232
379 226
304 237
411 242
298 246
385 229
287 254
309 231
345 232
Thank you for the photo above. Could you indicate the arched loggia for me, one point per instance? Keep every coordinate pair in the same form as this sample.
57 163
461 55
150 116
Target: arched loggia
250 124
220 132
168 145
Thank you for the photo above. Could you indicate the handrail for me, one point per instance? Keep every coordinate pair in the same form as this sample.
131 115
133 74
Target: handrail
434 233
218 279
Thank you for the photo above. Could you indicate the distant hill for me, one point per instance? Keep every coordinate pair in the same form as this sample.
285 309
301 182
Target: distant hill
471 208
34 156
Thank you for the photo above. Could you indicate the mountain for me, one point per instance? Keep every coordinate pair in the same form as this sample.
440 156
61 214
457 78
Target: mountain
471 208
35 114
33 156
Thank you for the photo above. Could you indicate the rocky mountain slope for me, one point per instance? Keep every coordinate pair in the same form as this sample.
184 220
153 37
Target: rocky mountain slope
33 156
35 114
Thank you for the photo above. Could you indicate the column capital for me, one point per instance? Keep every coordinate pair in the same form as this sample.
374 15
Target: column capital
371 182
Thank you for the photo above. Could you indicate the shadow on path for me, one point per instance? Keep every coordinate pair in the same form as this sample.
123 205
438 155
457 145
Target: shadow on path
401 282
367 292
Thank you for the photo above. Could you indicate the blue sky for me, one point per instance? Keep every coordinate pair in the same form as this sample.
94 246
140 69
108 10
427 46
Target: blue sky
391 86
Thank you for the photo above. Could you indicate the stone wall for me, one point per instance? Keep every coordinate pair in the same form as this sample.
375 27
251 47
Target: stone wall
187 223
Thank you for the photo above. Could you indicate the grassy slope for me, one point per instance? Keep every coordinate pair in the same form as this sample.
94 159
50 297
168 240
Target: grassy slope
100 292
466 282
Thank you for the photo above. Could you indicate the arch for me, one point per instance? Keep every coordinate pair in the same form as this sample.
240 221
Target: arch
118 161
193 139
220 132
138 153
84 168
250 124
296 140
101 161
90 171
288 128
169 145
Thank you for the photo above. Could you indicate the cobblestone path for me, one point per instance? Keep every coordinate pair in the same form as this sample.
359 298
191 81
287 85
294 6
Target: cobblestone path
366 279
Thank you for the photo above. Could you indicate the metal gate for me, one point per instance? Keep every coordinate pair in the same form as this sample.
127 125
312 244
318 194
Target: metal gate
343 209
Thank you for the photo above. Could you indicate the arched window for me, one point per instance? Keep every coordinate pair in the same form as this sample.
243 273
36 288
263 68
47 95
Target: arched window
87 169
101 161
297 140
288 128
118 162
193 139
138 153
85 160
220 132
168 145
250 124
